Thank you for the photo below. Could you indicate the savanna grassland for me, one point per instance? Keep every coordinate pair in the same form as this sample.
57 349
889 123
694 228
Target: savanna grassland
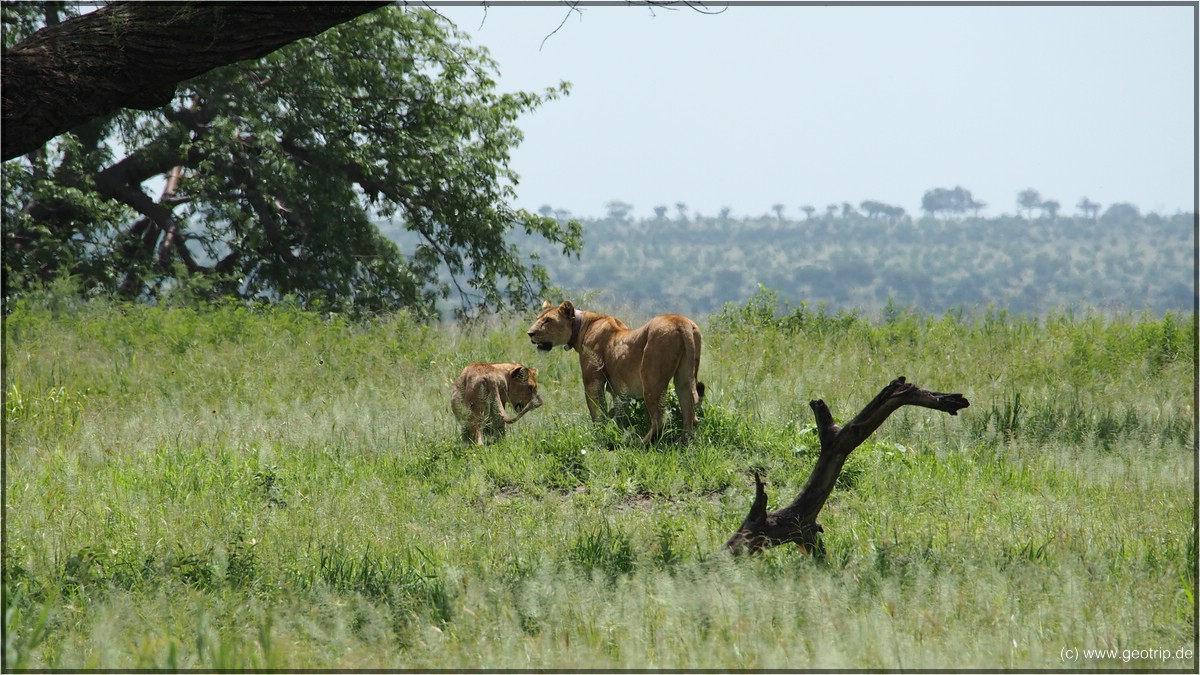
229 487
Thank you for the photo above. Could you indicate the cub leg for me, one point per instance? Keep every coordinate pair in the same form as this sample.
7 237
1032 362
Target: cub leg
472 431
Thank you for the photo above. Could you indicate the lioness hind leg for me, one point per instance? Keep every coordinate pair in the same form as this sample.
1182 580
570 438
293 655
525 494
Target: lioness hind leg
689 398
690 392
688 374
654 411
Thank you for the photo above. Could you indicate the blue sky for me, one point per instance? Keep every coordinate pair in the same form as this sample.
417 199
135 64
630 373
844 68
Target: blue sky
827 104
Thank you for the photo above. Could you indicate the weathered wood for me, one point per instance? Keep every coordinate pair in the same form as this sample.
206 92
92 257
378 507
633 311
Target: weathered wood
797 522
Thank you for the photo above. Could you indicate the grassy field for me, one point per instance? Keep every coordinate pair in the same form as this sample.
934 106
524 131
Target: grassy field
234 488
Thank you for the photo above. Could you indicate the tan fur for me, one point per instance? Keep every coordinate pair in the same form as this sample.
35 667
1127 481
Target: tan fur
482 390
633 363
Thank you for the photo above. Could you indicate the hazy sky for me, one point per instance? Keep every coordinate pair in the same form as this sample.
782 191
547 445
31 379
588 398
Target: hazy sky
828 104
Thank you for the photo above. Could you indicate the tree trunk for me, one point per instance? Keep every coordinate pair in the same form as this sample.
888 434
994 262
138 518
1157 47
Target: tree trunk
797 522
133 54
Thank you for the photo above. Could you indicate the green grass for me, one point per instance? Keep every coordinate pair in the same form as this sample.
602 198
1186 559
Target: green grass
230 488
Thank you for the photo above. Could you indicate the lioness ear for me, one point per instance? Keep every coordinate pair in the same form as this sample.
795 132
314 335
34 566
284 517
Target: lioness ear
567 309
520 374
546 304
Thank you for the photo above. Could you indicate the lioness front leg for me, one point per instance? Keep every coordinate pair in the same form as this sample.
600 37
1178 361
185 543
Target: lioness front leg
594 393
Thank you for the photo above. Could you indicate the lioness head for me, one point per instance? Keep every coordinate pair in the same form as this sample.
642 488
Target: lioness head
553 326
522 388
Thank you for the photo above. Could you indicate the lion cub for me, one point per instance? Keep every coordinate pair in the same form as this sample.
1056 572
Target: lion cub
481 392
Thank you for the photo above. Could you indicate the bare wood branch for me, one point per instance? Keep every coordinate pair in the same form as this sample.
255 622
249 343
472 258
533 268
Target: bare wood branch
571 7
797 522
700 7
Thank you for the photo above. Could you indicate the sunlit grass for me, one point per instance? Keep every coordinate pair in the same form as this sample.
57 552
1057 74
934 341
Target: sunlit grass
229 488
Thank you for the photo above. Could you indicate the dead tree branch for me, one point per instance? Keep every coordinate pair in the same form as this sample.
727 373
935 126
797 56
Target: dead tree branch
797 522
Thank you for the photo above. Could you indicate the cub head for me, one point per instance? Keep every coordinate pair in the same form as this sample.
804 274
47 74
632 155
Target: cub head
523 389
553 326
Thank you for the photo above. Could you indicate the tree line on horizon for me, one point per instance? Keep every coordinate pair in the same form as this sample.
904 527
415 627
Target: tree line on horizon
1115 260
936 202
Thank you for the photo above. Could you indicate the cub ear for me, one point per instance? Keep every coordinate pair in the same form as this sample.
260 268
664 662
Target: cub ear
567 309
520 374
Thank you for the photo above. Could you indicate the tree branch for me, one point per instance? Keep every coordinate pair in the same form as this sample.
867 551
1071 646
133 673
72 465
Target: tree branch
138 244
373 186
571 7
797 522
133 54
116 183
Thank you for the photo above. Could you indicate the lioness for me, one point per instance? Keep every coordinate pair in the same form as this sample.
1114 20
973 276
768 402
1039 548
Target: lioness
635 363
481 392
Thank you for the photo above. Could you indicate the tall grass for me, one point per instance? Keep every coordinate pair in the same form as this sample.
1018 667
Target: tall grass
240 488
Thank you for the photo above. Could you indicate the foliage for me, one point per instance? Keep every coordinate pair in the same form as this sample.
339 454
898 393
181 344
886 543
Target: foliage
954 202
280 488
854 263
876 209
273 172
1120 214
1029 199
